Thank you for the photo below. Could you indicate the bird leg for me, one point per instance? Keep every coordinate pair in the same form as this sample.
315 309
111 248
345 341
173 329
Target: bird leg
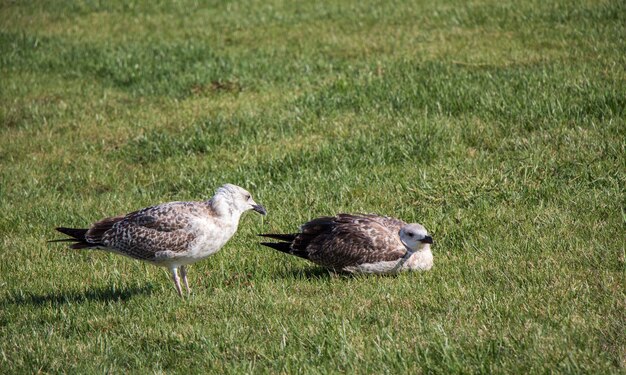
176 281
183 274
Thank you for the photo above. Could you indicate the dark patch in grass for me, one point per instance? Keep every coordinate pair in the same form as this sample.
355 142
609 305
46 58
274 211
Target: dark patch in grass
102 294
304 273
216 87
228 86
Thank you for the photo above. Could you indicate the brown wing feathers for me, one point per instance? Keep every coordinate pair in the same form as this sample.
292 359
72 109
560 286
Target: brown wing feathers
298 243
343 240
97 230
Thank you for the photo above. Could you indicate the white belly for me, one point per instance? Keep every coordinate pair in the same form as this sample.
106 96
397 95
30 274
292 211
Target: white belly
375 268
210 238
419 261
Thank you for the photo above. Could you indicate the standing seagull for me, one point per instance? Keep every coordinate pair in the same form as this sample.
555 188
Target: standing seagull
359 244
172 234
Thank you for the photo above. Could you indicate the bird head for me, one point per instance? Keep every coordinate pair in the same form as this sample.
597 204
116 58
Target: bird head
415 237
237 199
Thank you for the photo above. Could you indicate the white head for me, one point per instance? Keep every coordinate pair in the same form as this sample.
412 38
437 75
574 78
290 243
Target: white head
415 237
234 200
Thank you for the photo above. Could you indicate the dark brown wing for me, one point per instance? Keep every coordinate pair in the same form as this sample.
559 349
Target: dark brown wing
349 240
391 223
96 231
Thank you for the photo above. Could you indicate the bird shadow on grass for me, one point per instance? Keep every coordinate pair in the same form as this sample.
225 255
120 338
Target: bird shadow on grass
312 273
105 294
319 274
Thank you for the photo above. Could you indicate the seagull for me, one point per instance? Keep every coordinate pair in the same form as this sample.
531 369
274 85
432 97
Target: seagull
171 235
361 243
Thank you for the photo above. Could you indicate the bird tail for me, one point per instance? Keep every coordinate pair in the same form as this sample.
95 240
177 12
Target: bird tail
284 247
77 236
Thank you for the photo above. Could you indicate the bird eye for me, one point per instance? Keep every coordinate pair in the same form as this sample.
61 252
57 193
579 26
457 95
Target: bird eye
248 196
410 234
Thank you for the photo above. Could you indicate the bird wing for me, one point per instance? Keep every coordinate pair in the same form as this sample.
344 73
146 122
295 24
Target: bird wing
146 243
145 233
350 240
391 223
170 216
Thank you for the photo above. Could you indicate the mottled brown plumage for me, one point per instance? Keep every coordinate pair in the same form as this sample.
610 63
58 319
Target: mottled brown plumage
171 235
358 243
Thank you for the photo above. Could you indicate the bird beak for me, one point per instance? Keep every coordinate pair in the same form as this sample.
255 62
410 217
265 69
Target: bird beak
260 209
427 239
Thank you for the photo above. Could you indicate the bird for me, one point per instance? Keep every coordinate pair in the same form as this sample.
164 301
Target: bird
359 243
171 235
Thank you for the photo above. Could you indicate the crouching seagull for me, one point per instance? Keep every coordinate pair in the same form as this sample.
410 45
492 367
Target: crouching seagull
171 235
359 244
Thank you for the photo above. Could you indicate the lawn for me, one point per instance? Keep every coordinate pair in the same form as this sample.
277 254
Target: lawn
498 125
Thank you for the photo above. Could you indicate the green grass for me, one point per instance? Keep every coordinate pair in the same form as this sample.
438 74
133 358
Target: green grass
499 125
